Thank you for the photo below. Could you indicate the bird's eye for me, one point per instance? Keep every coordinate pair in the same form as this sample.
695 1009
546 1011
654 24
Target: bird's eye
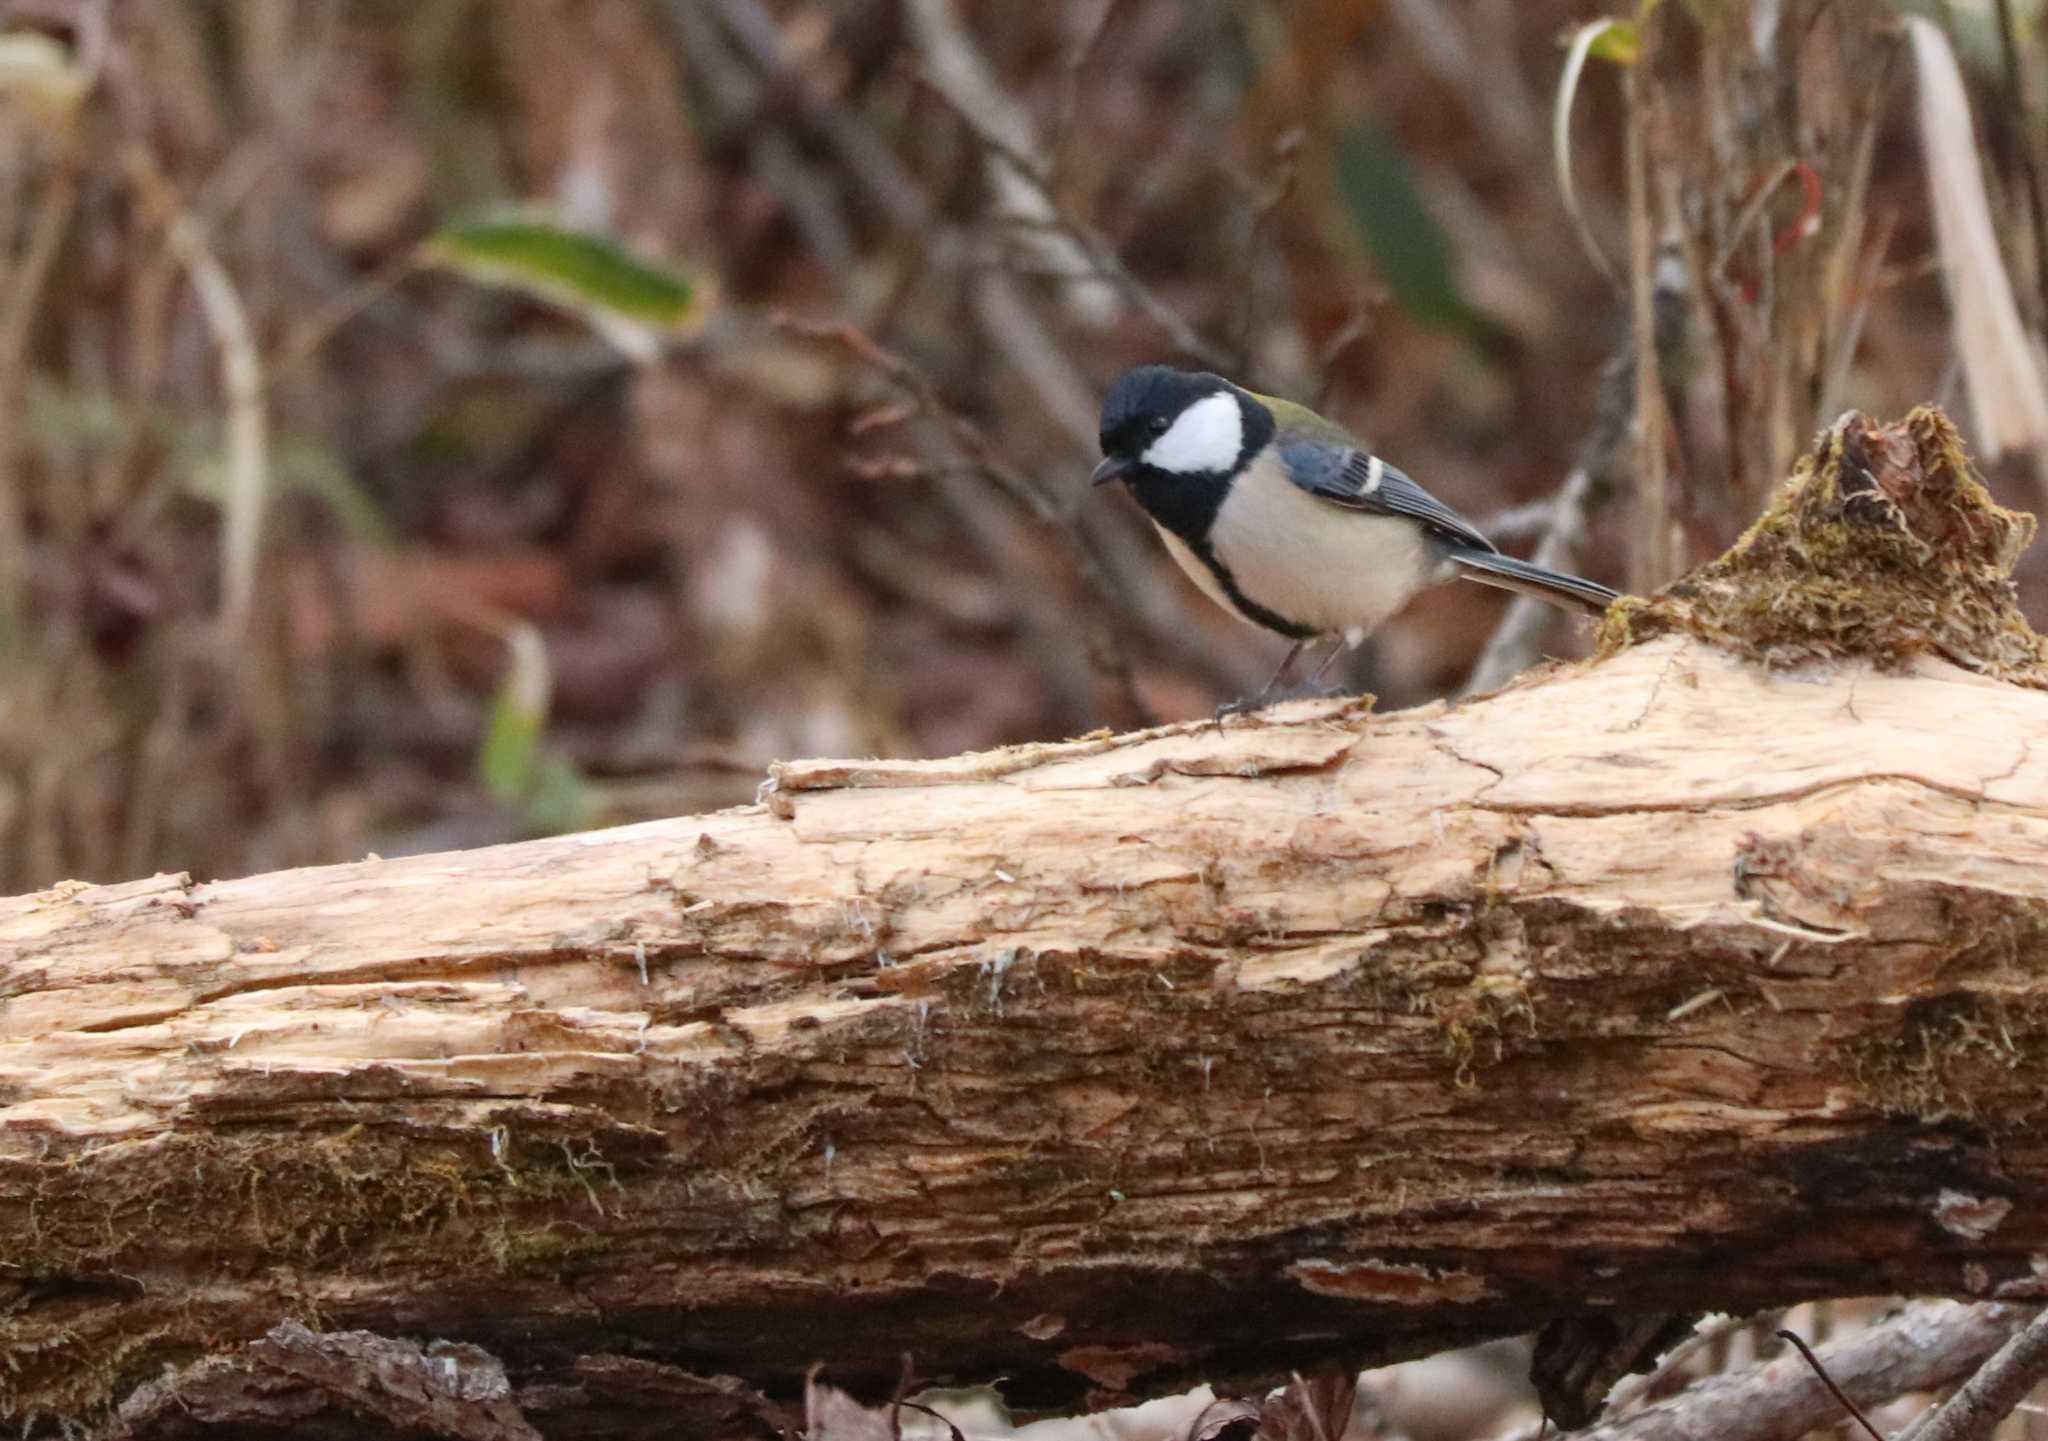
1157 425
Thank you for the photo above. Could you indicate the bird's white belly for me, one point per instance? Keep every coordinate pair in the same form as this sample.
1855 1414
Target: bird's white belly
1336 571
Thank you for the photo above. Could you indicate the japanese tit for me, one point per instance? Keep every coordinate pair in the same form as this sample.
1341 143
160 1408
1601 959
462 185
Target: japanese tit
1286 521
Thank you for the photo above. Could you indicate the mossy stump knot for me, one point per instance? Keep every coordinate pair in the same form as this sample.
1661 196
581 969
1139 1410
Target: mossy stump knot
1883 546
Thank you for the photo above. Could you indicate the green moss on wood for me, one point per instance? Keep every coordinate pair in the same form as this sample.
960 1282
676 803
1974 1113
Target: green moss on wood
341 1201
1883 546
1931 1067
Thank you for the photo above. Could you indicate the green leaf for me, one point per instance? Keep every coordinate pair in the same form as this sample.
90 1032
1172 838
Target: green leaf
1410 250
633 301
510 753
548 790
511 747
559 799
1619 42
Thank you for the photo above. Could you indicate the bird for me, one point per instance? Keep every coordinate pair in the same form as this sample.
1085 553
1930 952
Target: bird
1282 518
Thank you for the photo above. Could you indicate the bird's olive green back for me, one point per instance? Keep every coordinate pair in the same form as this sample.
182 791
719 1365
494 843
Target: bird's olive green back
1299 420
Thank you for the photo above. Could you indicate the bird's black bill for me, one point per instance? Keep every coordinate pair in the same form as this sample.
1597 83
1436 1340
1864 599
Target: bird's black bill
1113 468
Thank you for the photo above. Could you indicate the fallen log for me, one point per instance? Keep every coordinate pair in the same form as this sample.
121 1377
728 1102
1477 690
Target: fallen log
1707 975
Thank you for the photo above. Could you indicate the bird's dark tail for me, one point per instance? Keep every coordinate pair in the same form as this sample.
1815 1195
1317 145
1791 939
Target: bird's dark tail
1493 568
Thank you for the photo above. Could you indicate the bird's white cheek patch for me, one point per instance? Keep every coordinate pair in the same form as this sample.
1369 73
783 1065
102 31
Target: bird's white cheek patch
1207 436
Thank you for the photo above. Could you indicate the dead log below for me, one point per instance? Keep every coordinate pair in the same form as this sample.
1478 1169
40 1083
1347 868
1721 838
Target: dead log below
1708 975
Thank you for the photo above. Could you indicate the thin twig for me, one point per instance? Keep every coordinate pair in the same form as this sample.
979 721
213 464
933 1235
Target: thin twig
309 335
247 441
1753 210
1515 642
955 72
1828 1381
1468 50
1855 264
1926 1346
24 282
736 104
1847 337
838 127
903 1380
1069 91
1519 638
1014 329
1286 165
1519 522
1007 318
1105 657
965 434
1649 558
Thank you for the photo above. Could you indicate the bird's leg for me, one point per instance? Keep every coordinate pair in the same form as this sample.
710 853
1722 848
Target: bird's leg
1280 674
1241 706
1336 649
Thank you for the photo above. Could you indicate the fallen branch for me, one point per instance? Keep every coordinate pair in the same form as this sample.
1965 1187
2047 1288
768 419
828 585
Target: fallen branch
1991 1395
1666 983
1924 1348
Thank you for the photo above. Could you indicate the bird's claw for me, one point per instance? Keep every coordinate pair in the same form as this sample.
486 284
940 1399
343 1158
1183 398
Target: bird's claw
1270 696
1244 705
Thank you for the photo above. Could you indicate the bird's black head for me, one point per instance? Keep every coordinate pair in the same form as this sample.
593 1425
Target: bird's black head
1171 422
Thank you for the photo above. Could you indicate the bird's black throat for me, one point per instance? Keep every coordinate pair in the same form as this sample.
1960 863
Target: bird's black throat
1184 504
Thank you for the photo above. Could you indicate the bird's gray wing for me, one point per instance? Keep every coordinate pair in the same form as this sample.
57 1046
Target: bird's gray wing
1356 480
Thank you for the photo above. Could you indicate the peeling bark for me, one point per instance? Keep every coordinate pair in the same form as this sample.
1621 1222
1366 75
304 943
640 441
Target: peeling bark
1665 983
309 1384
